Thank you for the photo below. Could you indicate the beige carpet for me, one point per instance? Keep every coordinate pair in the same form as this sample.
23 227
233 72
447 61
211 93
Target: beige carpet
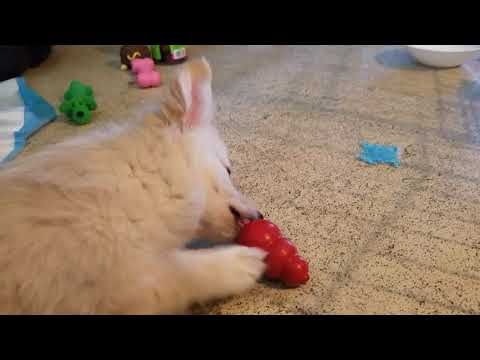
379 240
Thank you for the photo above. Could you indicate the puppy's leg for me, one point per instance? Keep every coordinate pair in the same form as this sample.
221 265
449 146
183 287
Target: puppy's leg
184 277
220 272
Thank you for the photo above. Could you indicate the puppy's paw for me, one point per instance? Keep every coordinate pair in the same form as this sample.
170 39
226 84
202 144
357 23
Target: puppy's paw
240 268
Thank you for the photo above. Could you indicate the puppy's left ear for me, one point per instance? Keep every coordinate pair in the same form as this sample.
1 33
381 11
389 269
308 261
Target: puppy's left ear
195 85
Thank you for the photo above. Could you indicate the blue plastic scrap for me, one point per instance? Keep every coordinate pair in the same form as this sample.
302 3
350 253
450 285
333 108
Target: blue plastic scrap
22 113
379 154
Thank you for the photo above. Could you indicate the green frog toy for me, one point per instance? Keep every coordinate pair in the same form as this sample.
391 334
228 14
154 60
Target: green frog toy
78 103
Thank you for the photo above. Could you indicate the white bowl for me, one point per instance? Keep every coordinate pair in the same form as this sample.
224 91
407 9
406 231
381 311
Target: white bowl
443 56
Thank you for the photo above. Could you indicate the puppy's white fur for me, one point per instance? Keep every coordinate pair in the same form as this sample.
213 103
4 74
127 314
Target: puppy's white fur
98 224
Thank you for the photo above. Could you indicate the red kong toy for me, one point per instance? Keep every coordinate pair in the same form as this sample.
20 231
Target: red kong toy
283 261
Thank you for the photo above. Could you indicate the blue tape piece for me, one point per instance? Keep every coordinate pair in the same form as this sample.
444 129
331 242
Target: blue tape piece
37 113
379 154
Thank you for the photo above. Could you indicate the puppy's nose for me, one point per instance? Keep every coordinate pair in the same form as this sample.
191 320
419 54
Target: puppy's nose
259 215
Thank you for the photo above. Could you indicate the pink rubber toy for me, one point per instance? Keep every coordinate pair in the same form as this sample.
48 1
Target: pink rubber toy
146 74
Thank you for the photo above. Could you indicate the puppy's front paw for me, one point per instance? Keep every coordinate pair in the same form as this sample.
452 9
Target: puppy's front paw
240 269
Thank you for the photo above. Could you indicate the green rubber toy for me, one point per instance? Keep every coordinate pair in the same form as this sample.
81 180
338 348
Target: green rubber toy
78 103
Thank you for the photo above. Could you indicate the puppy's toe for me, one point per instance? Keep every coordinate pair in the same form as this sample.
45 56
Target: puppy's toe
242 267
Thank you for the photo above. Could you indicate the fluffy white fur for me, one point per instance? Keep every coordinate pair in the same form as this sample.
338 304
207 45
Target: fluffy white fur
98 224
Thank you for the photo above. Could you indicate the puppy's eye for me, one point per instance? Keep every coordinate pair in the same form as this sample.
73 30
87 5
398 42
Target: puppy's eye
229 171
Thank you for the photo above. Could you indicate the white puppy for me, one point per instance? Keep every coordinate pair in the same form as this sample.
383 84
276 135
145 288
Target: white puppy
99 224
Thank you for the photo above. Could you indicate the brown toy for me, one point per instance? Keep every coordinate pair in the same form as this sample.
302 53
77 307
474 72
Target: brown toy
131 52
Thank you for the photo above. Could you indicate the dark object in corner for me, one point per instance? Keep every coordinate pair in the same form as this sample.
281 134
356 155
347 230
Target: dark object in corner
16 59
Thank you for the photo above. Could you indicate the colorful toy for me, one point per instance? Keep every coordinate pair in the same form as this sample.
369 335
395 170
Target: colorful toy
170 54
278 256
283 261
128 53
145 72
379 154
78 103
260 233
295 271
156 53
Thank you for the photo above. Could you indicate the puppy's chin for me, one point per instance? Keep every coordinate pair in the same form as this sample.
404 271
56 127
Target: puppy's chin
218 231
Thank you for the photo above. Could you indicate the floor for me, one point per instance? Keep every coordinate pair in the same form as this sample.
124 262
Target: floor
379 240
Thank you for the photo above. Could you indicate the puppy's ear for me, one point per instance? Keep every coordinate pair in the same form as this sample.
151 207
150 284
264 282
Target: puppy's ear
194 85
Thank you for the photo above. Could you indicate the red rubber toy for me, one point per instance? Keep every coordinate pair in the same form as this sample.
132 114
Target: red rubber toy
295 271
259 233
283 261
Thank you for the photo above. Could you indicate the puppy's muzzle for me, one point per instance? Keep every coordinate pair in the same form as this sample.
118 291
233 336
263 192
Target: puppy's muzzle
256 215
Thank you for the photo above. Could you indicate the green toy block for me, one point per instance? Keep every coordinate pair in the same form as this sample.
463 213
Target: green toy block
177 52
170 54
156 53
78 103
